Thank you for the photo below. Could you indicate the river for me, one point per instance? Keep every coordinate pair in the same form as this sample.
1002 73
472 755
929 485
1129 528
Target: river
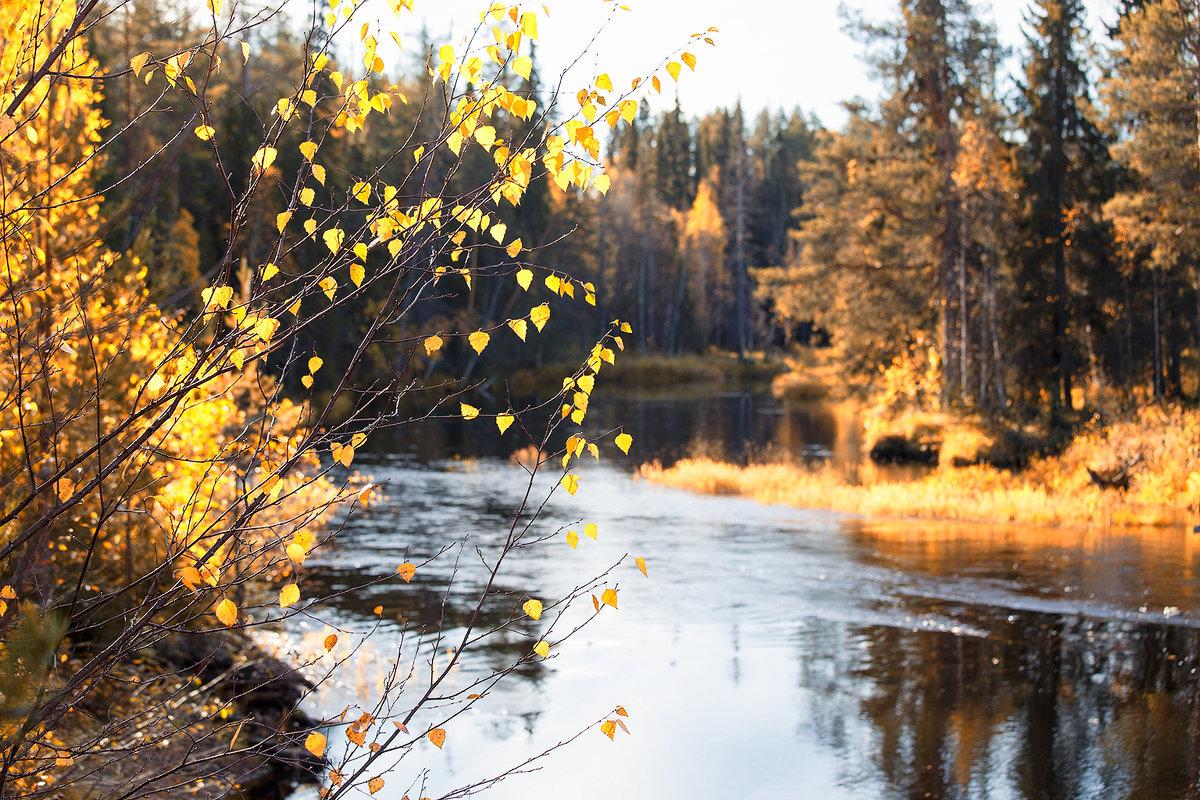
771 652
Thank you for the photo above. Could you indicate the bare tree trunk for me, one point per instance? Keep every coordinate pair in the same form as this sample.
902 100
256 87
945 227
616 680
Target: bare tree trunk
1158 386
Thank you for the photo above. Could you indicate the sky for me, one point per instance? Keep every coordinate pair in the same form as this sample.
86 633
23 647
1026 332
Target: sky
770 53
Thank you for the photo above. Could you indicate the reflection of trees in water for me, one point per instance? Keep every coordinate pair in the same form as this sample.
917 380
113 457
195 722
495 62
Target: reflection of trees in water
1044 707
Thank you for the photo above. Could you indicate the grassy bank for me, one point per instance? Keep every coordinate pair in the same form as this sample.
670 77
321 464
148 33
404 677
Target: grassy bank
1157 453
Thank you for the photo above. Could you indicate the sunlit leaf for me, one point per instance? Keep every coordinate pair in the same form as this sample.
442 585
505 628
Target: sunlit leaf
688 59
205 132
288 595
497 232
533 608
307 195
622 712
540 315
503 421
357 273
523 66
330 641
264 157
519 327
602 183
437 736
573 539
296 553
138 63
524 278
406 571
319 173
314 364
609 597
623 441
227 612
375 784
468 411
542 648
641 564
570 483
479 340
608 728
308 149
514 248
315 743
603 82
281 220
590 530
328 286
433 344
333 239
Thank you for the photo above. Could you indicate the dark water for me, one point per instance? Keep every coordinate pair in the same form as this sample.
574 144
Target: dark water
772 652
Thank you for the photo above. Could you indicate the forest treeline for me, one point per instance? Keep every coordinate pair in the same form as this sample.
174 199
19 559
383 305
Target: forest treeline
960 242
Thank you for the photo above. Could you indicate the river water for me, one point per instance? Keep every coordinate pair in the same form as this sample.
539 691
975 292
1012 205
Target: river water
772 652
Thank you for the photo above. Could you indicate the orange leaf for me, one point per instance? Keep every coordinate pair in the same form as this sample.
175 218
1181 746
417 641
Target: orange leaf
288 595
622 712
330 641
437 736
375 784
609 597
608 728
227 612
315 744
407 571
641 564
533 608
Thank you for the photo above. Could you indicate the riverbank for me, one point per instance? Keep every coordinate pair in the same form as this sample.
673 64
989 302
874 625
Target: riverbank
1144 470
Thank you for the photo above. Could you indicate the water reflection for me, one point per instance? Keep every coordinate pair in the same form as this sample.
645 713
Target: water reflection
777 652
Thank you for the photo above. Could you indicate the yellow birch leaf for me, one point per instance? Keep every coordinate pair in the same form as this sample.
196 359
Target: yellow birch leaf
433 344
308 149
296 553
375 784
469 412
281 220
498 230
629 109
288 595
656 83
307 195
523 66
623 441
613 117
602 183
205 132
238 358
314 364
641 564
621 712
308 97
514 248
529 24
533 608
358 439
294 308
264 157
330 641
586 383
8 593
361 191
595 451
674 68
328 286
590 530
540 315
518 327
346 456
407 571
604 82
269 271
608 728
479 340
577 416
570 483
227 612
503 421
524 278
573 539
689 59
609 597
189 575
554 284
360 249
138 63
319 173
438 737
315 743
542 648
485 135
357 273
333 239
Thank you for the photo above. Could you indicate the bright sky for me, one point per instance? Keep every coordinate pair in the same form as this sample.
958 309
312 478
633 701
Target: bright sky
770 53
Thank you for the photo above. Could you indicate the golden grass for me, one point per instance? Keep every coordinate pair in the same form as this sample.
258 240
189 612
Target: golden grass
1164 445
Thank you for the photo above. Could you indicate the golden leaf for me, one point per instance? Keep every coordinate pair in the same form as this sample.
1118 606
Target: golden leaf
238 358
641 564
264 157
518 327
674 68
407 571
138 63
330 641
503 421
554 284
609 597
375 784
523 66
328 286
281 220
540 315
359 737
623 441
608 728
227 612
469 412
189 575
333 239
315 743
533 608
314 364
361 191
479 340
570 483
308 150
622 712
604 82
689 59
498 230
288 595
433 344
296 553
205 132
437 736
357 273
573 539
269 271
307 195
524 278
319 173
590 530
542 648
514 248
